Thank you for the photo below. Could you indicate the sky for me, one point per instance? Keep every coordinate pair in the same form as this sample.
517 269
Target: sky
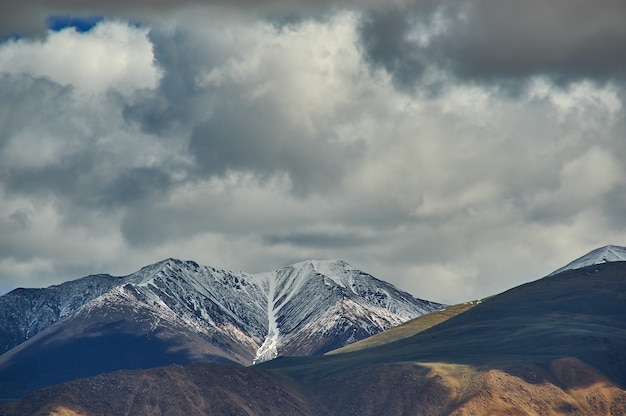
455 148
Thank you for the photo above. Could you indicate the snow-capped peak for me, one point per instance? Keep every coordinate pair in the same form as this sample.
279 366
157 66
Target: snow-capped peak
305 308
606 254
147 273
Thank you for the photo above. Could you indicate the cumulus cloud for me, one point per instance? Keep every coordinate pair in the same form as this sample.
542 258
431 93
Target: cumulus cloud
111 56
380 135
258 98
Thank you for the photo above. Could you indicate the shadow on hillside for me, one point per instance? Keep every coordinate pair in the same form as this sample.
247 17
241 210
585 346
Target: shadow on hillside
86 356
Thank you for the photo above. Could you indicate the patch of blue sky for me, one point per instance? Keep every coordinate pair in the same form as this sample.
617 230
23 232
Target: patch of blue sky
81 24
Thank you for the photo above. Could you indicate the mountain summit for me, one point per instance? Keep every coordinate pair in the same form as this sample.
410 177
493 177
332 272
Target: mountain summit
178 312
606 254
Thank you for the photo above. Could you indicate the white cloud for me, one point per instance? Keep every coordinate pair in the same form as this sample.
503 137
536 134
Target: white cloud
111 55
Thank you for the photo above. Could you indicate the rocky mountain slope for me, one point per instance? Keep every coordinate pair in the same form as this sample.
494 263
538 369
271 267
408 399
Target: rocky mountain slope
554 346
26 312
180 312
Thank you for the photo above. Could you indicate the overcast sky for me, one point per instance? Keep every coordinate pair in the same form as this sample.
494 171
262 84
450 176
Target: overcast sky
455 148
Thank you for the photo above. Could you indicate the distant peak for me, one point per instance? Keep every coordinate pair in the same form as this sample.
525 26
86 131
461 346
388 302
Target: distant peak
147 273
159 265
613 249
606 254
326 263
171 261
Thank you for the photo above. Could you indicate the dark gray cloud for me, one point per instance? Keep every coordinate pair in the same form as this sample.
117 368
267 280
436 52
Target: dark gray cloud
25 95
28 17
325 240
179 100
386 38
136 184
252 138
150 224
500 41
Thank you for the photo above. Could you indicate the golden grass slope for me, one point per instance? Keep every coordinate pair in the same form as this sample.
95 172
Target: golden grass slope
407 329
567 387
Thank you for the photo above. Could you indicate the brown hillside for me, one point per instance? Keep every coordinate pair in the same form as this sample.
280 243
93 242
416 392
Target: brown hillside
567 387
440 389
194 390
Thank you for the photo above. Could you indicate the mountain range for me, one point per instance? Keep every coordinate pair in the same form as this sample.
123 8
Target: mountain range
554 346
180 312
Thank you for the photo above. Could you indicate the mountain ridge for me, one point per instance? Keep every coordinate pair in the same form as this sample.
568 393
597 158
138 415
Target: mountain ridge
181 312
553 346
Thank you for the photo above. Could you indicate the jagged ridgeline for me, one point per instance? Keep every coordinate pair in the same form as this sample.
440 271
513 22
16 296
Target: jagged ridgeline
179 312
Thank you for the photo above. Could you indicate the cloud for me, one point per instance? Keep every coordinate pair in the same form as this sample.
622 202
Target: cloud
256 98
582 180
504 41
29 17
370 135
112 55
58 143
323 237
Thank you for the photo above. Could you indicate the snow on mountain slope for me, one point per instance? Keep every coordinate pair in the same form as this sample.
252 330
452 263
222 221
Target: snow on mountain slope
606 254
268 311
205 298
26 312
306 308
321 305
